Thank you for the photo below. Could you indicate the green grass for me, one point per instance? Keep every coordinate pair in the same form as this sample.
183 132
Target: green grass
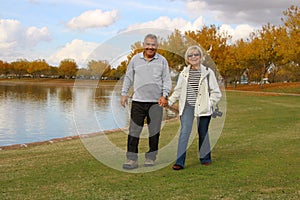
256 157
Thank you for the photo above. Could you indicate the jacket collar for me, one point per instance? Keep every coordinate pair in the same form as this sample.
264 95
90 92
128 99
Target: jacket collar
204 71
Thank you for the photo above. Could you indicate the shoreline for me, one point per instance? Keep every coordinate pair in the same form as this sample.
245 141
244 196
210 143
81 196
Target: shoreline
88 82
55 82
67 138
62 139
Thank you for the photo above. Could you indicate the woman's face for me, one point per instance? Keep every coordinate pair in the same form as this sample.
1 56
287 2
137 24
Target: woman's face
194 57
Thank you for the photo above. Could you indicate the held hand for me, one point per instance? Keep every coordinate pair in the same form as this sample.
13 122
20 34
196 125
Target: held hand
124 100
162 101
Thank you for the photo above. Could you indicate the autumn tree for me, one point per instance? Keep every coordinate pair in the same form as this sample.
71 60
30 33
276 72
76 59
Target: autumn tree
232 68
106 73
121 69
5 68
83 73
97 68
291 21
173 49
19 67
291 43
67 68
112 74
136 48
264 50
38 67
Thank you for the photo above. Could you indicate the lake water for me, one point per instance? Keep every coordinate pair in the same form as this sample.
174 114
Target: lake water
31 113
34 113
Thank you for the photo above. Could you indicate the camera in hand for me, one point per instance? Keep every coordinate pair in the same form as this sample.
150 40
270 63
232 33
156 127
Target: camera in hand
216 113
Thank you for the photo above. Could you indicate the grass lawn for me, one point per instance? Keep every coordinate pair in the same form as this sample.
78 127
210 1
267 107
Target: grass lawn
256 157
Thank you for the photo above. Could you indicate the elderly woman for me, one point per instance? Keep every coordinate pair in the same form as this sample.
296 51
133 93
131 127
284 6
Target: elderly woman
197 91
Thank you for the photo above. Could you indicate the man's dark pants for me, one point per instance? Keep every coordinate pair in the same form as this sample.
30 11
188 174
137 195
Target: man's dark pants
140 111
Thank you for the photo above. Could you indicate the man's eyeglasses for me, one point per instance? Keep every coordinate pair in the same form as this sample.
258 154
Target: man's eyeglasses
195 54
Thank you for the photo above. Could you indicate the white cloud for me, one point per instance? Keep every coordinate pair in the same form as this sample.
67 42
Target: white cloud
240 32
14 38
195 8
8 34
93 19
34 35
165 22
77 50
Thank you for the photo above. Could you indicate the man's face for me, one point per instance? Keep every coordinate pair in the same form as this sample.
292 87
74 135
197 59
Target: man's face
150 47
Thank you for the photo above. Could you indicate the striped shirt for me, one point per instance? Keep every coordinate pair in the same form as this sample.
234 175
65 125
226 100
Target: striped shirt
193 86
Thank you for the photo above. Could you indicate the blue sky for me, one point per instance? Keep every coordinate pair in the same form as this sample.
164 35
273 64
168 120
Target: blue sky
57 29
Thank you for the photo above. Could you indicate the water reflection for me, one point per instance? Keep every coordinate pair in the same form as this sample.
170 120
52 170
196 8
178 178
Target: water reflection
32 113
100 110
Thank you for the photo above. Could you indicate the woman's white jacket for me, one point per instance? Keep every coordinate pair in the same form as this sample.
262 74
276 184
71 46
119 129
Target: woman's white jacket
209 93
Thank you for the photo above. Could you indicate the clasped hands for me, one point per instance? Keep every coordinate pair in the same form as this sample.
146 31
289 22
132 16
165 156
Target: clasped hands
162 101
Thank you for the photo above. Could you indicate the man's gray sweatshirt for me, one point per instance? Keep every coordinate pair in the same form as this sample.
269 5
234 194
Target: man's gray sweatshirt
150 79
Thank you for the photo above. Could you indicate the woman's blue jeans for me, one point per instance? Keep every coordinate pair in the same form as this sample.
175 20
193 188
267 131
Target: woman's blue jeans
187 119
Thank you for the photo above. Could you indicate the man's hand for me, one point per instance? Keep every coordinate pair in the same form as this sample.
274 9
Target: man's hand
162 101
124 100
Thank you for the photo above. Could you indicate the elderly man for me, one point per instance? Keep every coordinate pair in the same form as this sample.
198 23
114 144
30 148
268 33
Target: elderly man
148 73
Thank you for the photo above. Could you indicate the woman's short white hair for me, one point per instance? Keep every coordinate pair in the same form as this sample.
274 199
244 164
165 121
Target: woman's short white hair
193 48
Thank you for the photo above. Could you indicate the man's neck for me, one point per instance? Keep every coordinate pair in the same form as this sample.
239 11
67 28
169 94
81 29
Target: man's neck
148 58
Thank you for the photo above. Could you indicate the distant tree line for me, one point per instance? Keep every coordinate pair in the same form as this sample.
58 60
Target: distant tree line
272 52
38 69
